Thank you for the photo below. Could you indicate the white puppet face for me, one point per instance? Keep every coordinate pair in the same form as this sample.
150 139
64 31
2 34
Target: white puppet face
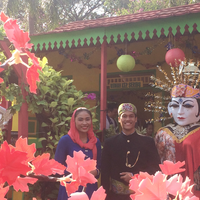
184 110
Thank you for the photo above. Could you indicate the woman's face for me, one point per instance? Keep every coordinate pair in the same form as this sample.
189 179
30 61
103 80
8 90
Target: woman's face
83 122
184 110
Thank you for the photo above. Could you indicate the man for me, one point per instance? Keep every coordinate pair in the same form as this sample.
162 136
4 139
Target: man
126 154
111 116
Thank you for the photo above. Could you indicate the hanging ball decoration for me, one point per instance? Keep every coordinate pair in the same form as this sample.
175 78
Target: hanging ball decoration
173 57
125 63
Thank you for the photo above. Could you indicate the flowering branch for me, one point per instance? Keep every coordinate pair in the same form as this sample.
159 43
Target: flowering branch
21 43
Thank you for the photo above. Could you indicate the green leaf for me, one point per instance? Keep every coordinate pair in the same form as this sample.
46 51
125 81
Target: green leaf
61 123
60 93
17 107
43 102
54 120
95 120
68 118
44 61
53 104
57 137
49 133
50 146
44 124
41 139
71 101
45 89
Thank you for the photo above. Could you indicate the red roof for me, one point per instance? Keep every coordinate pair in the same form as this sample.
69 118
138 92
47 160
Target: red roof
124 19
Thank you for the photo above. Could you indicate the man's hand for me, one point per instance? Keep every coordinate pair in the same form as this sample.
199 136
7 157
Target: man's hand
126 176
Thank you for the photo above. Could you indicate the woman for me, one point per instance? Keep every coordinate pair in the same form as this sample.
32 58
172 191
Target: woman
181 141
79 138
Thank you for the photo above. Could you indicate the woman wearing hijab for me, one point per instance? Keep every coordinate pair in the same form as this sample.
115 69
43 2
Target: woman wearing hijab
79 138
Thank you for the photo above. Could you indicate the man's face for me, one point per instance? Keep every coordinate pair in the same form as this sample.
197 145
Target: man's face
127 121
113 113
184 110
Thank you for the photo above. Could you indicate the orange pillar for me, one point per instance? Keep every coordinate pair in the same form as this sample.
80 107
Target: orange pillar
103 93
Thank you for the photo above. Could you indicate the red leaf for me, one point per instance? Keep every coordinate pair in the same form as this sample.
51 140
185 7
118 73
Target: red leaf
44 166
170 168
21 145
18 37
78 196
3 192
12 163
21 183
155 190
3 17
32 76
1 69
99 194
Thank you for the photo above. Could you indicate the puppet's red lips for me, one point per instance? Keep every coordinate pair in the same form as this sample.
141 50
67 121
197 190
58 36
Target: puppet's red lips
181 118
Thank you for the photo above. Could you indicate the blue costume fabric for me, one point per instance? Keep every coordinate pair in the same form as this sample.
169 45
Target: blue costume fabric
66 147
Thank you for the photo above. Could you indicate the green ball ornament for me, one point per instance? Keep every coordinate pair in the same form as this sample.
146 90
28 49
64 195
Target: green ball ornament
125 63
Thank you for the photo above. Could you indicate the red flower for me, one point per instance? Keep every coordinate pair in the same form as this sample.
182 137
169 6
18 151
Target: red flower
18 37
99 194
135 181
70 187
12 164
186 188
153 190
21 183
80 169
44 166
170 168
78 160
173 185
32 76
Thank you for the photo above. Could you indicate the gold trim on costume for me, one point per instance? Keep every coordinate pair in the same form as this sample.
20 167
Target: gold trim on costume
175 130
129 165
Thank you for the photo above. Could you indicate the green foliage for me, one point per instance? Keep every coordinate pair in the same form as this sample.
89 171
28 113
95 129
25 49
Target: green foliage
2 32
43 190
120 7
43 15
10 90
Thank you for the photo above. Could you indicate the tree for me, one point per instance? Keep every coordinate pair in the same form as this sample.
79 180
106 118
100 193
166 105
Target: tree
44 15
135 6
